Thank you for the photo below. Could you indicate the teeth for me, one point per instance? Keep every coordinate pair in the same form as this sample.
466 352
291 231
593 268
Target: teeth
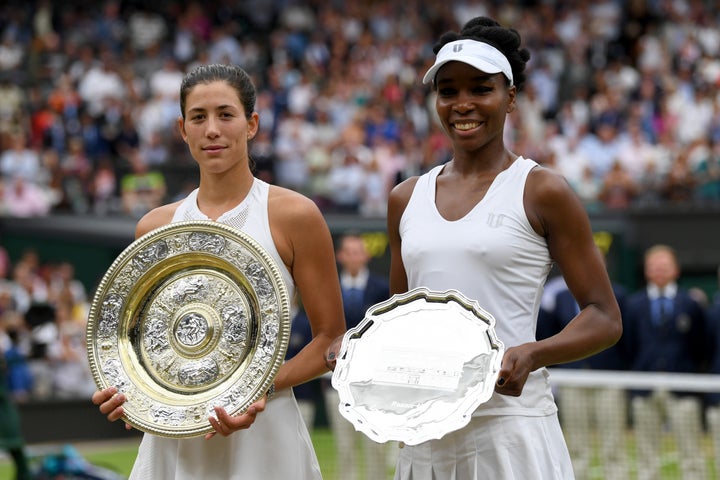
466 126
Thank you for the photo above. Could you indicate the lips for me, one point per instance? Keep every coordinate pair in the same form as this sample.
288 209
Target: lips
213 148
465 126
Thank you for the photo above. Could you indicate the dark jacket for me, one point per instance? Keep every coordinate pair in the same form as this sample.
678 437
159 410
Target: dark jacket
566 308
377 290
677 345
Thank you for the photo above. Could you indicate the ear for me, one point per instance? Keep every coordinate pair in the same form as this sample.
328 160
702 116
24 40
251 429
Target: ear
512 95
253 125
181 128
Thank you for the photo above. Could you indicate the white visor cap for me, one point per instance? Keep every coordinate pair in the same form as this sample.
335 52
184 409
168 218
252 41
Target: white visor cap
480 55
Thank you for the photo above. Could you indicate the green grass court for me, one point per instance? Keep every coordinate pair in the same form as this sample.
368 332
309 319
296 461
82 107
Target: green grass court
119 456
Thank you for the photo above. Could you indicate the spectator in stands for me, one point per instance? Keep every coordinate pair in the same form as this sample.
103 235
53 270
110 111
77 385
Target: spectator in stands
62 282
19 159
347 182
707 172
23 198
154 150
40 322
619 189
67 352
601 145
101 83
666 332
165 83
77 173
142 189
104 188
294 138
12 103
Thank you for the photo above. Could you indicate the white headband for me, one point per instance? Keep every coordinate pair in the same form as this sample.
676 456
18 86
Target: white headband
480 55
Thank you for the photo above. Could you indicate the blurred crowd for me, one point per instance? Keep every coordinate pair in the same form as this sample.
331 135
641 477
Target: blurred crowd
622 97
43 312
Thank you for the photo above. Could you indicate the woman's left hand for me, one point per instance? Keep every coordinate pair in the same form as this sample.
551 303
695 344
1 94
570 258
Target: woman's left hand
226 424
514 371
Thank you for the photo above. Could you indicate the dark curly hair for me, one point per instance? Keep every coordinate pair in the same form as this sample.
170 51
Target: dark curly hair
487 30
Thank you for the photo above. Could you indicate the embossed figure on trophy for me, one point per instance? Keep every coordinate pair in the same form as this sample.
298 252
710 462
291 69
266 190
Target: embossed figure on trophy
190 288
192 329
154 334
235 324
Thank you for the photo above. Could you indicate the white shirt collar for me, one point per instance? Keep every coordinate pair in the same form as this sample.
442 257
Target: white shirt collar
358 281
669 291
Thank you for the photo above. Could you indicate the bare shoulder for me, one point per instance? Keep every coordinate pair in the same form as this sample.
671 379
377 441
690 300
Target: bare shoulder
550 200
405 187
399 197
287 205
297 226
546 181
155 218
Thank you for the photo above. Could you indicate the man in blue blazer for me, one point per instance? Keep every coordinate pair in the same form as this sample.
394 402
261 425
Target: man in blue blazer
666 332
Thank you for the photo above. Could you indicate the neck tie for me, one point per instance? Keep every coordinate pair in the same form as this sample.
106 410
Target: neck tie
662 310
354 299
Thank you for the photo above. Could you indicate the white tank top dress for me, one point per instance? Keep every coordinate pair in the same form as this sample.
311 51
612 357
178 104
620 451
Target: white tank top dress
494 256
277 445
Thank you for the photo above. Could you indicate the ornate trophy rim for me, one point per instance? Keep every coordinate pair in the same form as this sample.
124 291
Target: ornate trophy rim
190 316
417 366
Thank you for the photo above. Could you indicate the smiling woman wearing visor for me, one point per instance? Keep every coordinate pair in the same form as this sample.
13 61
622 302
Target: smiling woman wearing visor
490 224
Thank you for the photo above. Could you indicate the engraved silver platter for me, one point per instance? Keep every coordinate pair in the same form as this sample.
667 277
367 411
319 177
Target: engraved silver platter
190 316
417 366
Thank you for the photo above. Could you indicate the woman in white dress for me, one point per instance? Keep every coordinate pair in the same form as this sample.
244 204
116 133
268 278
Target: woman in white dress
490 224
269 440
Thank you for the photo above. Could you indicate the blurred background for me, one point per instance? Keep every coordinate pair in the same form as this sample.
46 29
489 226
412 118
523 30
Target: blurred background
622 98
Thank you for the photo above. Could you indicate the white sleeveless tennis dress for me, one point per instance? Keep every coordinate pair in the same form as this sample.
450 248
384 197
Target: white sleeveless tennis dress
494 256
277 445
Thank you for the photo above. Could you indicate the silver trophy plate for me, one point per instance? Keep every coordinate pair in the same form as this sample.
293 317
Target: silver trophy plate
417 366
190 316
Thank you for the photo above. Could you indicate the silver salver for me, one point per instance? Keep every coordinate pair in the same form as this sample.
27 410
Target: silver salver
417 366
190 316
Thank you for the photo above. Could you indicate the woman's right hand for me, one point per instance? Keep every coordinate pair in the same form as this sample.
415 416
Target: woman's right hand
110 402
332 352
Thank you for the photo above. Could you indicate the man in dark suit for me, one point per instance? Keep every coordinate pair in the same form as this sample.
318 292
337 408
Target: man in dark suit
361 289
581 408
666 332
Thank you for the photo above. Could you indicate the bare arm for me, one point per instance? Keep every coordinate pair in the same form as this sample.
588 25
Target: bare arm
397 202
305 244
556 213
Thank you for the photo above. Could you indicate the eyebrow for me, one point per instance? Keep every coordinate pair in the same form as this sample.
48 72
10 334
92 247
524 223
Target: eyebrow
219 107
